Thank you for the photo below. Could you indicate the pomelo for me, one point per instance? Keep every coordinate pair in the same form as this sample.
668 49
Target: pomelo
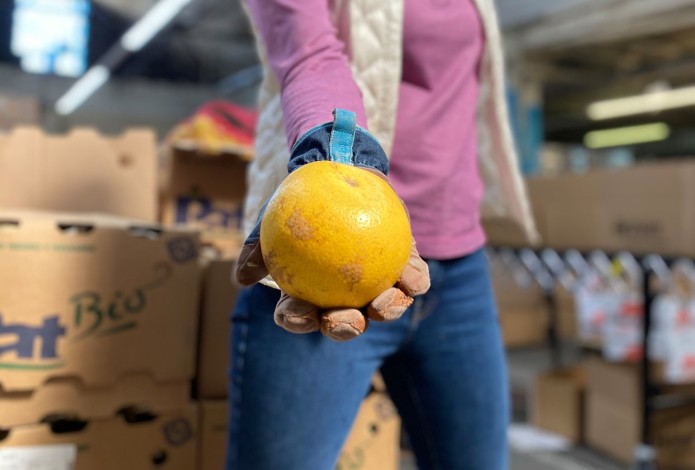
335 235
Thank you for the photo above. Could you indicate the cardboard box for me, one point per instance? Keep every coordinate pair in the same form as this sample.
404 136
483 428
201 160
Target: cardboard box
558 402
523 327
212 438
523 311
217 301
567 313
642 209
614 429
138 442
82 171
378 384
18 110
614 417
373 443
501 232
95 298
68 396
645 208
206 192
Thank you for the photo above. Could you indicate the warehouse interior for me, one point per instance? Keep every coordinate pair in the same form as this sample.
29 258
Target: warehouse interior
130 126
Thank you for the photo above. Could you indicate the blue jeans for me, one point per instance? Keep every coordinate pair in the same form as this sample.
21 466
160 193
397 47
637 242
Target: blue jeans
294 397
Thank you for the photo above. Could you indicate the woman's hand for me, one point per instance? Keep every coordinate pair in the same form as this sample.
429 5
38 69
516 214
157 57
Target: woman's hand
299 316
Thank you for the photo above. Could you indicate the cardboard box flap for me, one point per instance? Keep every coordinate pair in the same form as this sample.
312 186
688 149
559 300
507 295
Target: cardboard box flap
135 441
69 396
192 174
80 171
84 223
191 148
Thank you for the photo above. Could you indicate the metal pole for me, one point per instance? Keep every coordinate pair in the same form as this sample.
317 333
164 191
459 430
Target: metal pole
553 328
645 453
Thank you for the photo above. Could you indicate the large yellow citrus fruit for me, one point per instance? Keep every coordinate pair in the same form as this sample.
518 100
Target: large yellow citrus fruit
335 235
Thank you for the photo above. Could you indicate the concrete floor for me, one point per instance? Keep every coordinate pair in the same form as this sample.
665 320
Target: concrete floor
575 460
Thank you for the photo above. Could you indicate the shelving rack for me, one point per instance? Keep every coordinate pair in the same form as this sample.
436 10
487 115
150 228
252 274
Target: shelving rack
547 266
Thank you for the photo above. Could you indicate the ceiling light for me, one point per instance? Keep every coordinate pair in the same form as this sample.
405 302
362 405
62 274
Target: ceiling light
82 89
133 40
623 136
651 102
153 22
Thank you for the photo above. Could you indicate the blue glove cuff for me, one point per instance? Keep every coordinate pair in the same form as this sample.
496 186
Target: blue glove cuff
340 141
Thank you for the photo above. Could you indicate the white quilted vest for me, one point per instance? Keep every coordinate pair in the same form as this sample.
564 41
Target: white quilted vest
372 30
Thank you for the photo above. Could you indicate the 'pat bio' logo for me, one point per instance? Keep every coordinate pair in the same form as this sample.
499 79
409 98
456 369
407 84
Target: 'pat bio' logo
27 346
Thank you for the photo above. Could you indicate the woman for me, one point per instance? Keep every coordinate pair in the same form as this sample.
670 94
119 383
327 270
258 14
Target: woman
424 80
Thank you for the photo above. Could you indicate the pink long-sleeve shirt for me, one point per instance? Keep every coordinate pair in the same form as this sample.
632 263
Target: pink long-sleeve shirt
434 157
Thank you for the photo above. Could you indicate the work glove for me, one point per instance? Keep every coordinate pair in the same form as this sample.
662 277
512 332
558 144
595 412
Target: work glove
341 141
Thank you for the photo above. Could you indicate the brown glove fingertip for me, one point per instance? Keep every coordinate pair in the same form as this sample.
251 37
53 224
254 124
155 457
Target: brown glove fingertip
296 316
343 324
389 305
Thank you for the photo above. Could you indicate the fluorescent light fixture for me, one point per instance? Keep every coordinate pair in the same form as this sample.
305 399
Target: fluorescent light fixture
153 22
630 135
651 102
82 89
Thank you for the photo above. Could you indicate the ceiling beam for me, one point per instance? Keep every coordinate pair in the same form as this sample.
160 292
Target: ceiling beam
599 21
127 8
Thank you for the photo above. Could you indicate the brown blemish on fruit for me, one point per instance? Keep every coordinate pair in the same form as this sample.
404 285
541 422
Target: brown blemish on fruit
300 228
351 181
351 273
276 270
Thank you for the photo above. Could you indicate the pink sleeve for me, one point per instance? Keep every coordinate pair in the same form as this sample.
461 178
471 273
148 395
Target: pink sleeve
309 61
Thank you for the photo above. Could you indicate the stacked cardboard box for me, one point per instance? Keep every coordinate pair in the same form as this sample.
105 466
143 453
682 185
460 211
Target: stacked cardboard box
523 312
558 402
523 309
614 417
206 192
643 209
82 171
136 441
98 313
